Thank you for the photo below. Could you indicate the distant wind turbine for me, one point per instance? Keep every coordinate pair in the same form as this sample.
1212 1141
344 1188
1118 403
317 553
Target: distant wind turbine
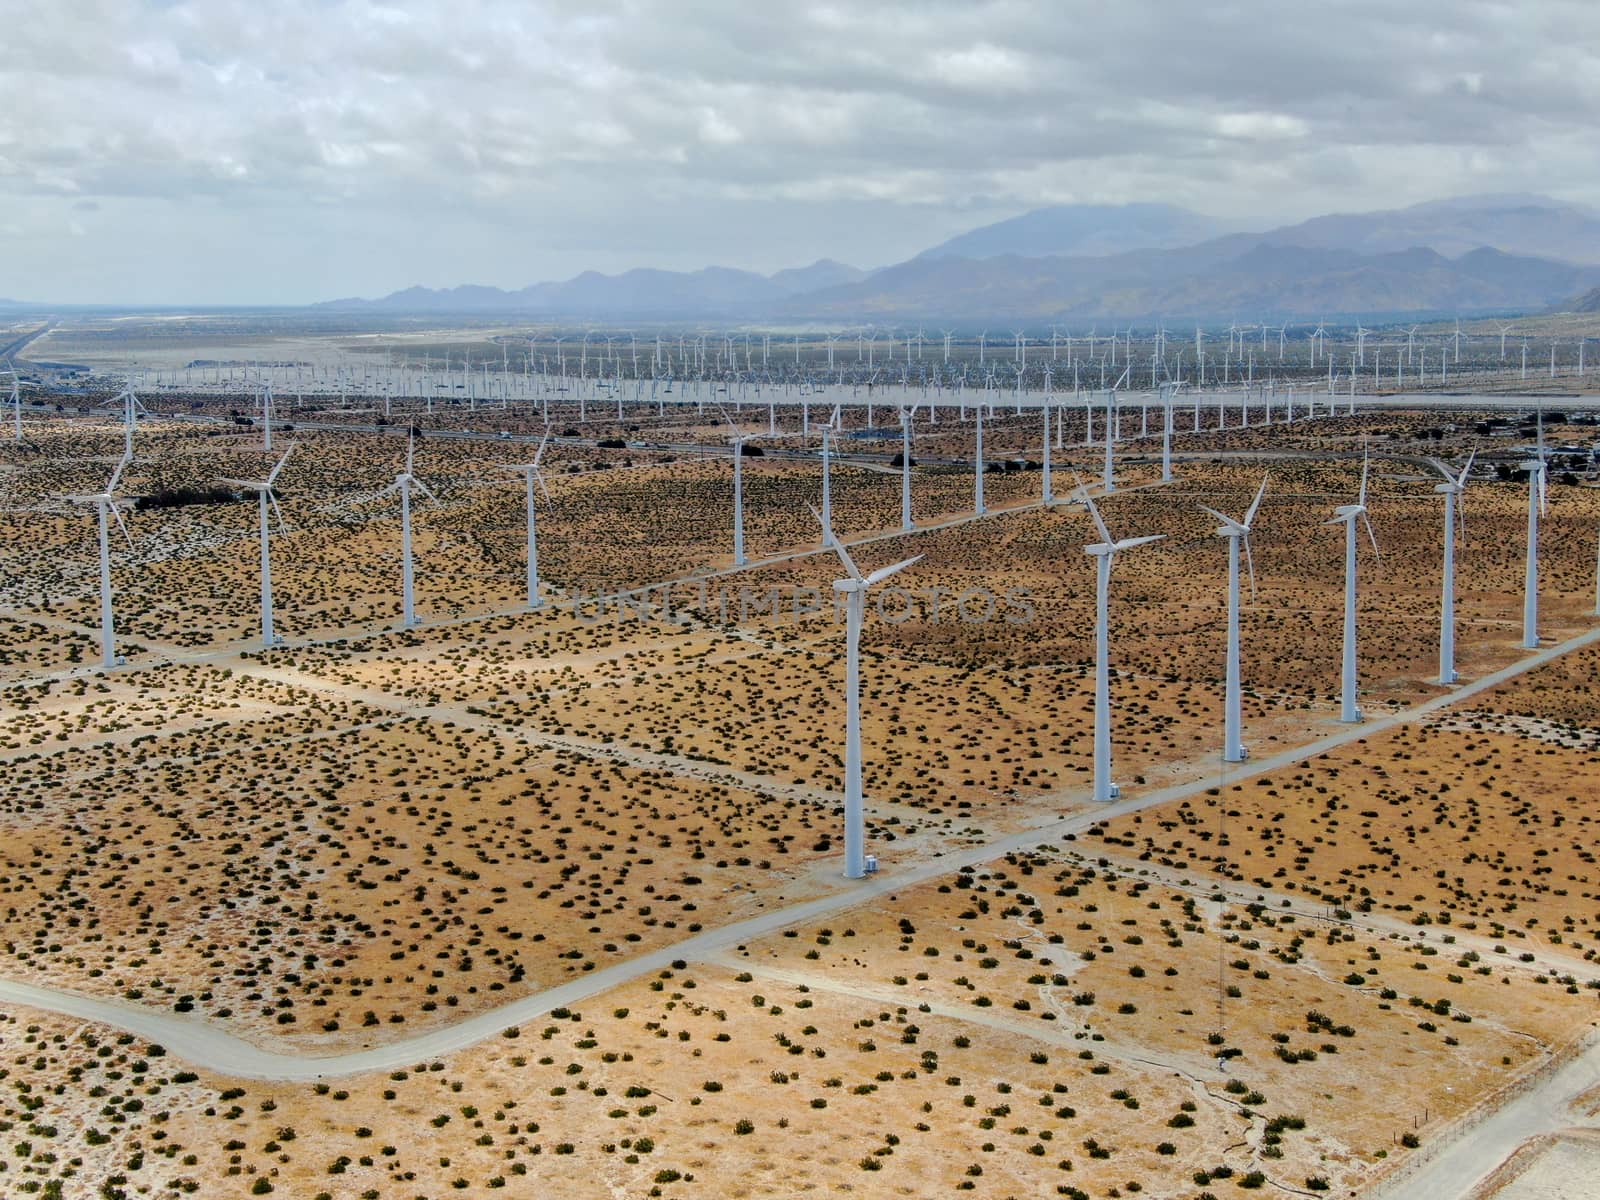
266 495
530 475
108 505
854 588
1238 534
403 483
1348 515
1451 488
1103 552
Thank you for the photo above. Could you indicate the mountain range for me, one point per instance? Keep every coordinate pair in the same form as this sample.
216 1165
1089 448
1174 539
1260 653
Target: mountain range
1467 255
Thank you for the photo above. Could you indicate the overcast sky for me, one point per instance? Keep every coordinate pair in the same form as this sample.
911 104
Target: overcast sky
283 151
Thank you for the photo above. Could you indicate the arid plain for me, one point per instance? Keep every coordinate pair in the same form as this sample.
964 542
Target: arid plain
608 831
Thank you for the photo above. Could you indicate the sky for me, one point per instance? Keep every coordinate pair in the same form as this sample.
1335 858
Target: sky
289 151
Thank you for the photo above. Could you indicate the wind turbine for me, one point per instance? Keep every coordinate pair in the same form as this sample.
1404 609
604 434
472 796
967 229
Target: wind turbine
1103 552
1348 514
530 473
1537 488
107 505
1237 533
266 494
737 441
264 399
403 483
16 396
1451 489
977 466
854 589
906 415
830 428
131 410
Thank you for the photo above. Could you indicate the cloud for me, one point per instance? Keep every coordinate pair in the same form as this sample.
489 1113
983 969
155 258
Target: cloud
508 142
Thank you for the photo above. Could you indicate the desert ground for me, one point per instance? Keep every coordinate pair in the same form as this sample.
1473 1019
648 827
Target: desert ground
545 900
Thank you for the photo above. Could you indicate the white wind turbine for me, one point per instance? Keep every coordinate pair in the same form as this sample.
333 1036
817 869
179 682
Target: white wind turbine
531 474
828 430
107 506
977 470
1451 488
403 483
1047 491
264 399
854 588
1237 533
737 441
906 415
1537 490
1347 515
266 494
132 409
1103 552
16 397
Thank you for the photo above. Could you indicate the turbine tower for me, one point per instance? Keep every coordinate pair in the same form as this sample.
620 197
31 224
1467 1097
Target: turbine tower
977 470
906 414
1103 552
1348 514
266 494
854 589
1238 534
531 474
737 441
1537 489
1451 488
108 505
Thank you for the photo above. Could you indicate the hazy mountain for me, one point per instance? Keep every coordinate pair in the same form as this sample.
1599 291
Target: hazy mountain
1492 253
1085 230
1523 225
1259 280
1587 303
639 293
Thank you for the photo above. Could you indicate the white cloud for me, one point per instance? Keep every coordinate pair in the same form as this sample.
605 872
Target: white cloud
511 141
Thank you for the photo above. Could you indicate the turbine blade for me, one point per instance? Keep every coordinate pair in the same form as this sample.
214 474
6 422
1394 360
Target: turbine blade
838 546
122 525
116 475
1130 543
1466 470
1371 537
1366 463
1444 471
538 476
283 526
1083 493
539 453
1250 561
1250 516
271 478
883 573
411 449
1224 518
426 491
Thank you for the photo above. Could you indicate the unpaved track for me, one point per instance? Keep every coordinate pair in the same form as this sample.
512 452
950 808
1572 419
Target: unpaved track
207 1046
